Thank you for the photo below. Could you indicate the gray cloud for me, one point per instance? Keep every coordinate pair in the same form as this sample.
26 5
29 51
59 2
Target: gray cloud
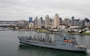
22 9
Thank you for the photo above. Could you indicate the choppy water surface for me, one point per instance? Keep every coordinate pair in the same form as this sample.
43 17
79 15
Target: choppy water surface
9 46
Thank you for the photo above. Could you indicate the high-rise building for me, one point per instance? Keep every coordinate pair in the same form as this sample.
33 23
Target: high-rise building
60 20
42 21
72 21
47 21
67 21
36 22
76 22
56 21
82 25
39 22
30 19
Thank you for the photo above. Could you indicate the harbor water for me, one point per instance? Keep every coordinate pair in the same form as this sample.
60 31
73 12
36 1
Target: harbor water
9 45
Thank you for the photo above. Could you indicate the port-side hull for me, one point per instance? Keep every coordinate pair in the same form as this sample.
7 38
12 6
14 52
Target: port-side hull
61 46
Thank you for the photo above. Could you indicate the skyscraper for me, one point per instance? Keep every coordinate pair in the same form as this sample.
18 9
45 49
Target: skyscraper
30 19
60 20
40 22
76 22
72 21
56 21
47 21
36 22
82 25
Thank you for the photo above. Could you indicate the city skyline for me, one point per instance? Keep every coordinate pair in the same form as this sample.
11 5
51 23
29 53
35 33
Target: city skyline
22 9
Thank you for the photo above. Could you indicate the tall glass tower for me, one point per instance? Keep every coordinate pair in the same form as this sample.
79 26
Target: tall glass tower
30 19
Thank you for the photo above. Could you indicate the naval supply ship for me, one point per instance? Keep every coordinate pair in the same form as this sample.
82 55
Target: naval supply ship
63 42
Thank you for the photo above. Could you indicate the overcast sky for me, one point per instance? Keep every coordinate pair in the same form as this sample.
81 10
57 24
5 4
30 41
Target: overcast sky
22 9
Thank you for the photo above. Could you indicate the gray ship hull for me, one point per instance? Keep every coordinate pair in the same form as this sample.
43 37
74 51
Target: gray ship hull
56 45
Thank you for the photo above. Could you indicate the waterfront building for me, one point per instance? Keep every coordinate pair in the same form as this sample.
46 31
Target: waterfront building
76 22
56 21
47 21
82 25
67 21
30 19
62 26
8 23
74 28
86 19
31 25
21 24
87 22
72 21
